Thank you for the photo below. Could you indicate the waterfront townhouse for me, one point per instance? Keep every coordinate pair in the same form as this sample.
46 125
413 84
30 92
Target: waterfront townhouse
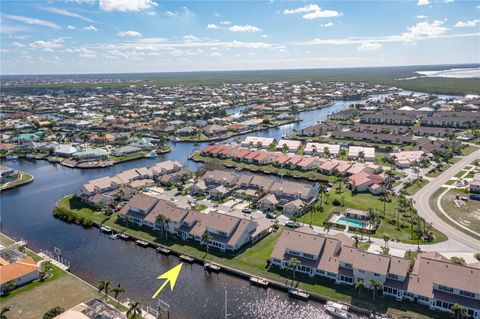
256 141
96 186
320 129
228 233
217 177
434 280
166 167
406 159
438 283
357 152
319 149
390 119
291 146
372 138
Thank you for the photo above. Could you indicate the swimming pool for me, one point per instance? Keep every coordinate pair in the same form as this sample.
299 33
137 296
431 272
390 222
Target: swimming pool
351 222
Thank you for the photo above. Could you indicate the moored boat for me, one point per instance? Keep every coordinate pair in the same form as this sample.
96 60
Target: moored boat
151 154
337 310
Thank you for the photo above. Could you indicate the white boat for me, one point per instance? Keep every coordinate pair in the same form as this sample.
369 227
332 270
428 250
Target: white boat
106 229
11 157
337 310
113 236
152 154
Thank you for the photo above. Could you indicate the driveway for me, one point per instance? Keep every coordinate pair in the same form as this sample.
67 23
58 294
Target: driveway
421 203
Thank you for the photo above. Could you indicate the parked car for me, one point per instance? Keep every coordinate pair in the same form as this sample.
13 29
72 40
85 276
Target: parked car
247 211
271 216
293 224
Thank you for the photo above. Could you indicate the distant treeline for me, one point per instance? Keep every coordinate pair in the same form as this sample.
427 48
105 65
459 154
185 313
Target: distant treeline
379 75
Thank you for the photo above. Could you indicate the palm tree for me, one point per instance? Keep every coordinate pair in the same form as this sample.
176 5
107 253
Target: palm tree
359 285
117 291
206 238
294 263
375 285
371 218
134 310
326 152
361 155
386 239
355 239
166 223
3 312
385 198
160 221
342 153
458 310
327 228
104 285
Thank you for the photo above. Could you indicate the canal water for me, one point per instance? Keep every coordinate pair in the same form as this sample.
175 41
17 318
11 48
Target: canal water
26 212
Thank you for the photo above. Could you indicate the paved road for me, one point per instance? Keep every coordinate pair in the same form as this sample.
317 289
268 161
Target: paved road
422 205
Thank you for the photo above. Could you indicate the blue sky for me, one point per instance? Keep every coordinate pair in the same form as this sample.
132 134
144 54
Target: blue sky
99 36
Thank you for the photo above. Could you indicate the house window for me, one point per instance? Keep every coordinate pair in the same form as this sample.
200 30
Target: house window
376 275
392 276
222 233
467 294
444 288
308 256
348 266
361 271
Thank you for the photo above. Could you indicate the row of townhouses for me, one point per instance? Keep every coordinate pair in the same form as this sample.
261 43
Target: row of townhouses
229 233
433 280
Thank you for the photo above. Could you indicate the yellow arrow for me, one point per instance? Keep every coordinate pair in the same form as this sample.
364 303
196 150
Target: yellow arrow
171 277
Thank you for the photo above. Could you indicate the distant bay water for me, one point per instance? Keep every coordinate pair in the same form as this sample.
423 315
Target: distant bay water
465 73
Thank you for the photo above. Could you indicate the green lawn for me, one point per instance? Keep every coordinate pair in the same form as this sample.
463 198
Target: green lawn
412 189
466 214
461 173
253 259
128 157
364 201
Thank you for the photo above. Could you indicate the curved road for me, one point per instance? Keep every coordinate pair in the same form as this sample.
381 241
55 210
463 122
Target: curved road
422 205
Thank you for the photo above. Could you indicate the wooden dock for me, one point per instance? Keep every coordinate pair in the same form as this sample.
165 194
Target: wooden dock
211 266
106 229
299 294
142 243
163 250
257 281
186 258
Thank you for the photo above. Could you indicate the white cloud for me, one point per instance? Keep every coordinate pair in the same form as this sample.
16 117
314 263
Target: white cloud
32 21
424 30
327 25
88 55
212 26
216 54
18 44
369 46
134 34
422 17
48 46
71 27
90 28
126 5
448 1
467 23
67 13
313 11
190 38
423 2
225 22
244 28
170 14
151 13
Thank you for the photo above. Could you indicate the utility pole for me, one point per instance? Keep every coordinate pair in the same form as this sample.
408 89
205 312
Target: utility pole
226 308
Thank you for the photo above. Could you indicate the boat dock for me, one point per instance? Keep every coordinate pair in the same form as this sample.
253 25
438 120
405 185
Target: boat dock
211 266
186 258
142 243
257 281
163 250
299 294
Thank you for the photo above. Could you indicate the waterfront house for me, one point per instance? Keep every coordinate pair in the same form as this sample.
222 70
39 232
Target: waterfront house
8 174
126 151
95 154
96 186
16 267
